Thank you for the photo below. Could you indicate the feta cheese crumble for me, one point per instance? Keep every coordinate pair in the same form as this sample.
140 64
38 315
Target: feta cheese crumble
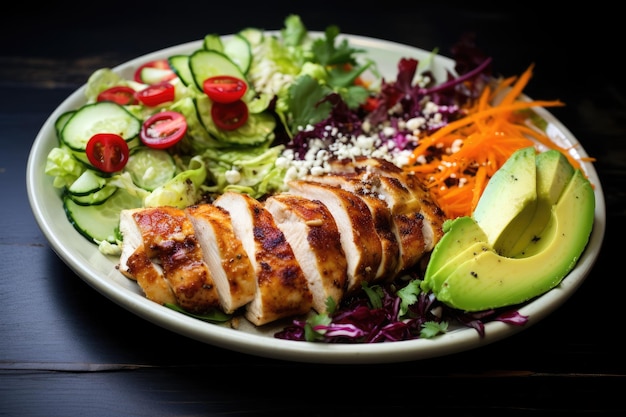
393 143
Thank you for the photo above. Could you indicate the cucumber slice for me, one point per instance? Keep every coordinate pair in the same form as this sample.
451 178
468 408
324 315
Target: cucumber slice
256 131
180 65
213 42
100 222
238 49
151 75
95 198
204 64
150 168
90 188
59 124
99 117
254 36
88 183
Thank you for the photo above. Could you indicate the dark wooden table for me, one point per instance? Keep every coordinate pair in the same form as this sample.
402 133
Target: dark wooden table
66 350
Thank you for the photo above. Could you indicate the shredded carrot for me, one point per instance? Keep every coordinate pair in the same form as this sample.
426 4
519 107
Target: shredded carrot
480 180
457 161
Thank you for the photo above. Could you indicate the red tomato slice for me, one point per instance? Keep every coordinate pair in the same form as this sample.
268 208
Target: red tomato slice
229 116
119 94
107 152
224 88
163 129
156 94
158 64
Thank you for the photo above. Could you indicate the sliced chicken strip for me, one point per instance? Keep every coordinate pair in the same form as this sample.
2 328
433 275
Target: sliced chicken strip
383 221
406 196
434 217
168 235
357 230
281 287
312 233
395 187
407 223
403 181
229 263
412 230
136 263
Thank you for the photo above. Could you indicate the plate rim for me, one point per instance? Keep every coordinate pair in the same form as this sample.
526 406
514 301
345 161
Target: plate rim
264 345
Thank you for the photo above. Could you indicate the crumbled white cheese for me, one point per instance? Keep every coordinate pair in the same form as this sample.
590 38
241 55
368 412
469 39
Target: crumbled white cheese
415 123
456 145
375 142
232 176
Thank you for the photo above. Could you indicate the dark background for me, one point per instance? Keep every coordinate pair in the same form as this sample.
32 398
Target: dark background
66 350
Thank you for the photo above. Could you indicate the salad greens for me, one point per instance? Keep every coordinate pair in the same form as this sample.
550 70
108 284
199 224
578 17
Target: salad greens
288 74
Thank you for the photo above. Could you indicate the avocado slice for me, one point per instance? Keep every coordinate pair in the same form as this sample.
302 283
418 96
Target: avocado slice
553 173
462 237
437 279
490 280
509 201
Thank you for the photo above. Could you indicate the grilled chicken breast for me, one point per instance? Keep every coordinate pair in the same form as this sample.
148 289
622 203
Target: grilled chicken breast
382 216
312 233
162 251
223 252
281 287
282 257
357 230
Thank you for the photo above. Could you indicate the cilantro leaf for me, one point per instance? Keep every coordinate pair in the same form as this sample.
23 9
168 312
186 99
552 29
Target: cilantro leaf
408 295
431 329
374 293
304 101
318 320
327 54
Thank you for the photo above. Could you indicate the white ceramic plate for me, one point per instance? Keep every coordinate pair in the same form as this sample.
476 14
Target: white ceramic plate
99 271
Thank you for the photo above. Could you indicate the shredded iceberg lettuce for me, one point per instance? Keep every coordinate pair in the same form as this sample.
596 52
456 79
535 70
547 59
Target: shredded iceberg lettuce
183 190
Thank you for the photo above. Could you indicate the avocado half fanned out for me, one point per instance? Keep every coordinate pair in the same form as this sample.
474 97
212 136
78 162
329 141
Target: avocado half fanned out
528 231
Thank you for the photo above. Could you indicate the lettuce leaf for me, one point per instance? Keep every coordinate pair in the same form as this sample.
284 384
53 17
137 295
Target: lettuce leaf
183 190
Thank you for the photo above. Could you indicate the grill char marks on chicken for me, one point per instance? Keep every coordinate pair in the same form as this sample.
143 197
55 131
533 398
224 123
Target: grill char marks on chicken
358 236
406 222
418 221
433 215
232 270
312 233
163 252
136 263
382 216
281 287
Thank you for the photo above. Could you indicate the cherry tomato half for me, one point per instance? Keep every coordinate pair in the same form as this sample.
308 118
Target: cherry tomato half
224 88
229 116
107 152
159 64
119 94
156 94
163 129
